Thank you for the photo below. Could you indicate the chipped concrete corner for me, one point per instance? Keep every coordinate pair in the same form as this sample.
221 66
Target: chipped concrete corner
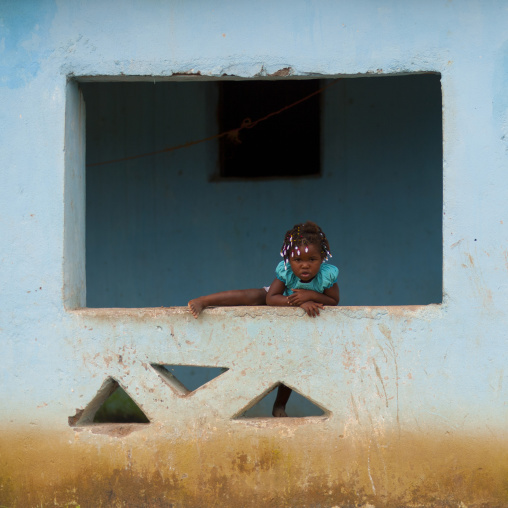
414 397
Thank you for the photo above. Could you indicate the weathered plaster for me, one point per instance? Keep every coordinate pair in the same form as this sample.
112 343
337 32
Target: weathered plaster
417 396
281 465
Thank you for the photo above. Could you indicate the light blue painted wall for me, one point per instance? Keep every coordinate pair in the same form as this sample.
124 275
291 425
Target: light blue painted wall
55 359
159 232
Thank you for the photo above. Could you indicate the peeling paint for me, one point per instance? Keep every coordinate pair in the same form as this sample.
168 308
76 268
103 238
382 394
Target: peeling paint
286 71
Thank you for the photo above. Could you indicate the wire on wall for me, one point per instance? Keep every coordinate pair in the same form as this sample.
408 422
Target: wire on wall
247 123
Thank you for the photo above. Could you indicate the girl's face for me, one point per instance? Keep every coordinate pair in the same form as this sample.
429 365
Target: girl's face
305 265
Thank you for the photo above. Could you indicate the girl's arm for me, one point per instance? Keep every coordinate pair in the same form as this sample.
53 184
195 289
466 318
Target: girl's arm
275 297
310 301
330 296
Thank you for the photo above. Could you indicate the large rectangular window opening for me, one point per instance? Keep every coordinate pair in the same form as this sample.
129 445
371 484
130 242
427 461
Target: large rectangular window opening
161 228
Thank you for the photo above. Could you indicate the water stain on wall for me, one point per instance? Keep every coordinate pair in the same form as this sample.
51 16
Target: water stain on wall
427 469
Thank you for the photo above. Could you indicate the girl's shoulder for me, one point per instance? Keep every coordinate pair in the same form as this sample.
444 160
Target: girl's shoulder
283 271
329 269
329 274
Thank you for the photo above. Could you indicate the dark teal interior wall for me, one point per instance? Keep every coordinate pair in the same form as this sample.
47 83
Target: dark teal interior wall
159 232
383 143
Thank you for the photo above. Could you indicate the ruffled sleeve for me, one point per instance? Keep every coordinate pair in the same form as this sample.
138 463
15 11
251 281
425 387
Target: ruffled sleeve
281 272
329 274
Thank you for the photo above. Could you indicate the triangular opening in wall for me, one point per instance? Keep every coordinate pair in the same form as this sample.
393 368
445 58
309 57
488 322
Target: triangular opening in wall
112 404
186 379
120 408
298 406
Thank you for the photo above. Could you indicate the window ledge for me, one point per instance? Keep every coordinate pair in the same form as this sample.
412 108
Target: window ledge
258 311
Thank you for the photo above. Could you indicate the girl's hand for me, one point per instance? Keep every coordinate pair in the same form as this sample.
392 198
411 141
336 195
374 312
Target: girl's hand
311 308
300 296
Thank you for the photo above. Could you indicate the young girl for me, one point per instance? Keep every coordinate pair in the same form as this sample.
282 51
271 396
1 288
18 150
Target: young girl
303 280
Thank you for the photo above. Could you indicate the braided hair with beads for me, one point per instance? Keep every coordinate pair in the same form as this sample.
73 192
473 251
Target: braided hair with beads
300 237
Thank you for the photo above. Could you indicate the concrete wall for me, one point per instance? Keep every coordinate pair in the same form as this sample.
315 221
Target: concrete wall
414 396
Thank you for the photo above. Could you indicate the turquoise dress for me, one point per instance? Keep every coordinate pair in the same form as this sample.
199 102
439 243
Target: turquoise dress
325 278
